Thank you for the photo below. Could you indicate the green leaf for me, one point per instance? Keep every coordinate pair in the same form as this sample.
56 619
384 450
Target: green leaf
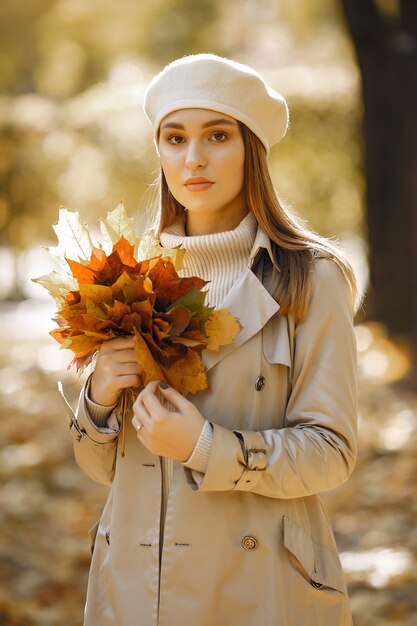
194 301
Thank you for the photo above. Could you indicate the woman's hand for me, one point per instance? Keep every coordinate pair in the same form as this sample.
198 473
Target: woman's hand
163 432
116 369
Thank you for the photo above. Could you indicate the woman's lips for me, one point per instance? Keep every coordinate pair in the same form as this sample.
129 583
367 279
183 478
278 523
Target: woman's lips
198 184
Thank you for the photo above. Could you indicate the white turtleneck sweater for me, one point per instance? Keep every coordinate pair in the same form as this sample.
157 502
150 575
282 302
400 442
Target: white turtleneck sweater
218 258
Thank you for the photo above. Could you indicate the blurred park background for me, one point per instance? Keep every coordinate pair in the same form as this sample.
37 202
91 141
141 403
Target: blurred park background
72 133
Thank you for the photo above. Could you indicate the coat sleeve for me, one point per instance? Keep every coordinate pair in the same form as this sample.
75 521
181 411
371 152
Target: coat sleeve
94 447
316 448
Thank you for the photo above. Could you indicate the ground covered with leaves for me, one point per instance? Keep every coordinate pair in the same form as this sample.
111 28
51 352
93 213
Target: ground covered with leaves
47 505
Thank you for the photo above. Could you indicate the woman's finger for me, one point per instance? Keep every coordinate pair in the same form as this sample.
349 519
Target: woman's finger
139 428
175 397
150 401
120 343
126 356
127 369
129 380
140 415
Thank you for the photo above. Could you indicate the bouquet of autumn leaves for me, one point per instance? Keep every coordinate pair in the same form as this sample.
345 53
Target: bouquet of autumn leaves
129 285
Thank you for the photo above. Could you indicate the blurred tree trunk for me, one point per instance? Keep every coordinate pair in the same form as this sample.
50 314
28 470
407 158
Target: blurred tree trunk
386 49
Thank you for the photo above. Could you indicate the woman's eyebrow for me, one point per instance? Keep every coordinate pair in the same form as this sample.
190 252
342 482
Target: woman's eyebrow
218 122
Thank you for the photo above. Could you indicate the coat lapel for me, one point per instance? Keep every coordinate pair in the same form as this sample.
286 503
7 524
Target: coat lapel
252 305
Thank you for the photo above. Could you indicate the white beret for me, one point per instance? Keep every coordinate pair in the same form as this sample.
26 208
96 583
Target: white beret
207 81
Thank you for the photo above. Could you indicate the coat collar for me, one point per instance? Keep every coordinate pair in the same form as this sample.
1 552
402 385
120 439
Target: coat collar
249 301
262 241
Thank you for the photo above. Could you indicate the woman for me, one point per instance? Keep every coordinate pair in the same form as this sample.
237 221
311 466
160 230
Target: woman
214 517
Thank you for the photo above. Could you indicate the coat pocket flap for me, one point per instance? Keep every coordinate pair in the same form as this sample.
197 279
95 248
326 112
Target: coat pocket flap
276 341
321 564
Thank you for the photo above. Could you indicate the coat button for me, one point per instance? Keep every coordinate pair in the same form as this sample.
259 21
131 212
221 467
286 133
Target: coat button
260 383
249 543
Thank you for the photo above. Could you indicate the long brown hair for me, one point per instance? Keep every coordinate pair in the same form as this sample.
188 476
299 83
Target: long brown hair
294 245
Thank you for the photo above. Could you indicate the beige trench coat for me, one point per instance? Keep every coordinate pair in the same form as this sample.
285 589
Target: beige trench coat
250 544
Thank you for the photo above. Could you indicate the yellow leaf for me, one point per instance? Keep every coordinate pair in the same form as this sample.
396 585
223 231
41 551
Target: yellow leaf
106 244
122 282
129 289
187 374
94 309
150 368
82 343
147 284
221 329
74 241
96 293
101 336
149 248
195 383
58 285
116 225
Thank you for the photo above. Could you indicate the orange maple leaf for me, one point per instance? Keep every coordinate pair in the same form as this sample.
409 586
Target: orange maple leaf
167 285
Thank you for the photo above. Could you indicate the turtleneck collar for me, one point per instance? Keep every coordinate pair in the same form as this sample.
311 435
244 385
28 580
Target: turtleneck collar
217 257
247 227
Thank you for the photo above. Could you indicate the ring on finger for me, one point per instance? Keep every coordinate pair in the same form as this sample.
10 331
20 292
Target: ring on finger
138 427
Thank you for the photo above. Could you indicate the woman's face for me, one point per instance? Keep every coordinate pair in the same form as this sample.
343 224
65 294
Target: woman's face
202 155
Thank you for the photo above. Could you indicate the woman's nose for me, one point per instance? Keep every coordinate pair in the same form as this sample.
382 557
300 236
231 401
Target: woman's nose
195 156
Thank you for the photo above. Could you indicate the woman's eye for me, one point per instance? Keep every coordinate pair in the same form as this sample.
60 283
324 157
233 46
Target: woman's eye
175 139
219 136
